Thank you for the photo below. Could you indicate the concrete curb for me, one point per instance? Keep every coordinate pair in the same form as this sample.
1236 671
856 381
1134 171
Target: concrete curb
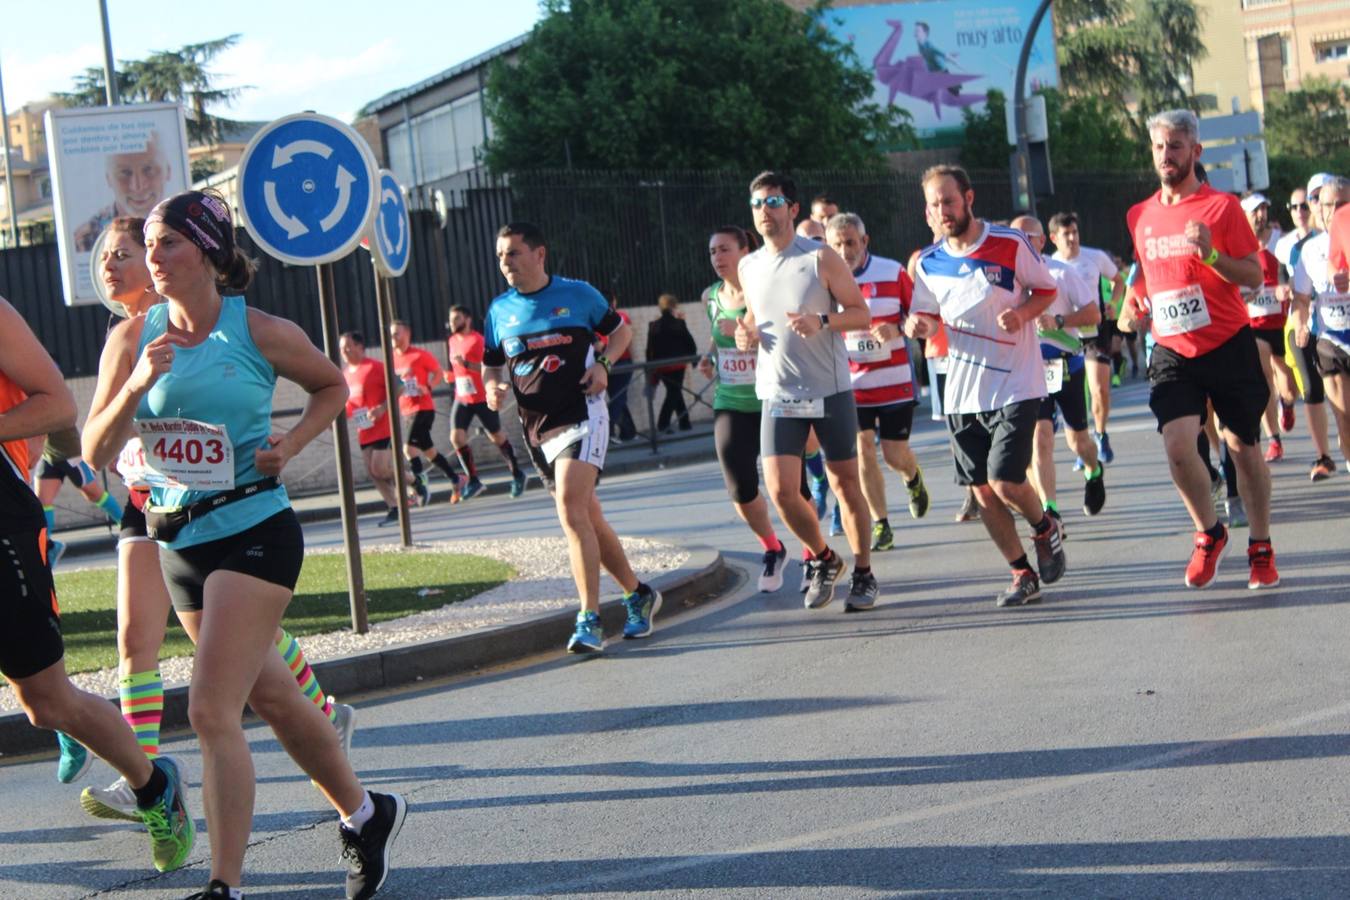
703 577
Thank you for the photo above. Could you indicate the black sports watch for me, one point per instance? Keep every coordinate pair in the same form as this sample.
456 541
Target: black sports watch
825 321
1059 321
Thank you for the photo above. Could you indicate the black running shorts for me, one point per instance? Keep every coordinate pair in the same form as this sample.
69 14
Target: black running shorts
893 421
1071 400
463 414
1229 376
418 430
836 429
1331 359
30 620
273 551
994 445
1274 337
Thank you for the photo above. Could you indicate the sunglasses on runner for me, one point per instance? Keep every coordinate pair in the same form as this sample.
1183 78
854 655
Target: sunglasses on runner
1301 207
773 201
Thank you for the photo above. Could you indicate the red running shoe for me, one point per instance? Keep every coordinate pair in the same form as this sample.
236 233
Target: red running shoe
1286 417
1275 452
1205 559
1261 557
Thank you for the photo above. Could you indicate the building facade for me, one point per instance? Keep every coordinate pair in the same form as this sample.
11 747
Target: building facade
1288 41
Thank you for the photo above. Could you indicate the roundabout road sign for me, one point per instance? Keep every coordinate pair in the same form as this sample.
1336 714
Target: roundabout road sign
307 189
391 232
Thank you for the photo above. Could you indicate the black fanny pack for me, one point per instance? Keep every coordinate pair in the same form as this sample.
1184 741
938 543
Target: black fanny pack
162 523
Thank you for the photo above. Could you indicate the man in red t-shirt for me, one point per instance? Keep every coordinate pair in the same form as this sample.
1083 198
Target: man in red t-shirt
418 372
1267 315
1196 251
368 407
466 374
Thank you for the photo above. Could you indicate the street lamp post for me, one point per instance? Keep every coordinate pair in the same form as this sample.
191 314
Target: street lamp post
109 70
12 213
1024 196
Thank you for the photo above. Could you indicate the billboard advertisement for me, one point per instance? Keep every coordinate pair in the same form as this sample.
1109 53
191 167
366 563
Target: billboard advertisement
935 58
109 161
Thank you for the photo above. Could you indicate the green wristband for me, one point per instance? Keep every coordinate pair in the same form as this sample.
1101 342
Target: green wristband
1212 258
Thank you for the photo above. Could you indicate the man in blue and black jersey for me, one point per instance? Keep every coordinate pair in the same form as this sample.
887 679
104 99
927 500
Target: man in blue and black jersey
537 341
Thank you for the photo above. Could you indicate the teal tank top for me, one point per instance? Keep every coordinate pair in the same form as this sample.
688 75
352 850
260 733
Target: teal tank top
223 381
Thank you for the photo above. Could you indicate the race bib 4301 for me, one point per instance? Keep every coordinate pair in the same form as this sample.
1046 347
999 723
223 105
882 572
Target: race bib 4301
185 453
736 367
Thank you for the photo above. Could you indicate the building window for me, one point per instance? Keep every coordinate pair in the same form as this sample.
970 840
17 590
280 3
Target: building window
447 140
1254 4
1333 51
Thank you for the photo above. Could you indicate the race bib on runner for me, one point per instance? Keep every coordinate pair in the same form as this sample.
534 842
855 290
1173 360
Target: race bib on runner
1333 311
790 408
410 387
1177 312
131 465
864 347
184 453
464 386
736 367
1263 303
364 418
1054 375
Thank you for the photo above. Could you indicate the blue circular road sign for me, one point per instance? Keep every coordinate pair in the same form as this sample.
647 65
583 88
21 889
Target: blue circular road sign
307 189
391 232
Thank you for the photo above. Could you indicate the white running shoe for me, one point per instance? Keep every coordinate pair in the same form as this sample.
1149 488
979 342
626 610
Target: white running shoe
345 723
116 801
771 578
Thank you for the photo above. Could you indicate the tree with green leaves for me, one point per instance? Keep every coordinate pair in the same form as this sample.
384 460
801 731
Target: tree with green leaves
669 84
167 76
1085 134
1312 122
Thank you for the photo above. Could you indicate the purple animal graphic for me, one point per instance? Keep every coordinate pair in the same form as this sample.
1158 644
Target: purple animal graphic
923 76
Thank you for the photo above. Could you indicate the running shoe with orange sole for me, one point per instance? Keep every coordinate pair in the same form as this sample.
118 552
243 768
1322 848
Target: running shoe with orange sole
1286 417
1321 470
1275 450
1261 558
1205 559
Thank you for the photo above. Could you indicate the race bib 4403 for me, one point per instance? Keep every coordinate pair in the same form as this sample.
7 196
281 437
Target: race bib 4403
185 453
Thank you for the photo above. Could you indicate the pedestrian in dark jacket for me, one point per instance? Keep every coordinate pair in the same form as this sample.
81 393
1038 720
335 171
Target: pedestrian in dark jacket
668 337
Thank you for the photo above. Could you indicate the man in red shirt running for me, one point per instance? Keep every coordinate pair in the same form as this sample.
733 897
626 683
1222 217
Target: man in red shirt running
368 408
1196 251
1268 313
466 374
418 372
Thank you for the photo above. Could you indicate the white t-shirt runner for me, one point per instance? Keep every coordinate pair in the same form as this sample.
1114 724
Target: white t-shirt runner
988 367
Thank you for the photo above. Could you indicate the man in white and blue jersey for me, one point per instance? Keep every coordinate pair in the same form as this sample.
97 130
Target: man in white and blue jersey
537 342
987 286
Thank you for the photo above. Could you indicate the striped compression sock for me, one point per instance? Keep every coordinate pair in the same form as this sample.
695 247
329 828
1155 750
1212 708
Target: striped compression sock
290 651
110 506
142 696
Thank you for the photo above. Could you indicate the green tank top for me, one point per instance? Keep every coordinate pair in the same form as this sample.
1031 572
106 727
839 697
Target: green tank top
735 368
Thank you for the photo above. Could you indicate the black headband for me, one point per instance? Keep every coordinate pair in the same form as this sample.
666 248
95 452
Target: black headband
200 218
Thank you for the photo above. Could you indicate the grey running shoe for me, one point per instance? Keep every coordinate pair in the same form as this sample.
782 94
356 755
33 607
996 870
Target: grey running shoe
1050 552
918 496
824 577
1217 489
862 593
1237 513
771 577
970 510
1025 588
345 723
116 801
808 572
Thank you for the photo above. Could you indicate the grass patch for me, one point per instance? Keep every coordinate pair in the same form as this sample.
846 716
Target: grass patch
89 599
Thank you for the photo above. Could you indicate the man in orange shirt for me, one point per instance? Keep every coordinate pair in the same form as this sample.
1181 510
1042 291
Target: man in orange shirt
418 372
466 374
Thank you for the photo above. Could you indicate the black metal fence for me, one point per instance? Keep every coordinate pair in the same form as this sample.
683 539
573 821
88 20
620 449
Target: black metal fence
637 233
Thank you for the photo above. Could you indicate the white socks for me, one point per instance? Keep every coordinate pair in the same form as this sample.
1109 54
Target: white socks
356 820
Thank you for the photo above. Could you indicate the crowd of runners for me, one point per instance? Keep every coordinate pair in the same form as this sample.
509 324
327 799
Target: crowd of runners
815 393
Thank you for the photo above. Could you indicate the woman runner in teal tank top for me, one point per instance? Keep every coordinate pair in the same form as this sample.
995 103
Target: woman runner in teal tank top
735 407
195 377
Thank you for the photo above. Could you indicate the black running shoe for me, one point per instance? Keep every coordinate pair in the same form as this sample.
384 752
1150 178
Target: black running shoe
1050 553
1094 492
1025 588
216 890
368 851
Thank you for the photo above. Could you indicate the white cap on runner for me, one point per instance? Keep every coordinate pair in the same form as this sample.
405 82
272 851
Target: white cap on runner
1252 201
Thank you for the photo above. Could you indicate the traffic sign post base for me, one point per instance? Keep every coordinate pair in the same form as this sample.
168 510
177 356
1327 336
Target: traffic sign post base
385 308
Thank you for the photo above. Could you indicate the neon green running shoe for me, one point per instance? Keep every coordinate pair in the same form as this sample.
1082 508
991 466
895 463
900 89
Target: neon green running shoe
882 536
918 496
172 831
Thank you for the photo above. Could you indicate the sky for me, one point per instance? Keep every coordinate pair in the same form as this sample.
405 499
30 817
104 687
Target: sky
332 57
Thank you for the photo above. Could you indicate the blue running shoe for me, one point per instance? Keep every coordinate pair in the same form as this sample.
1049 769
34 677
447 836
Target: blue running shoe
472 488
1078 464
1104 451
55 550
836 521
518 485
589 636
642 608
820 490
75 760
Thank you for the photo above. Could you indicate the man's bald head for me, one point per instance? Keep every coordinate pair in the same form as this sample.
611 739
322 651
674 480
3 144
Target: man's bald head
1031 227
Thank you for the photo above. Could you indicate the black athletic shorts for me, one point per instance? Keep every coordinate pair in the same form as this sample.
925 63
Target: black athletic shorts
584 449
30 620
1229 376
1071 401
736 437
893 421
133 525
1099 350
1331 359
78 473
836 429
418 430
994 445
463 414
273 550
377 444
1272 336
1305 359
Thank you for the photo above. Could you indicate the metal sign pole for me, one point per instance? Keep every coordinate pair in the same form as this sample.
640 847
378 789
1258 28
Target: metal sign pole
385 308
342 449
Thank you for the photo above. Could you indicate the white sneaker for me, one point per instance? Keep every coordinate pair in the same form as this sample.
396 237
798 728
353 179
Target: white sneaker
771 578
116 801
345 723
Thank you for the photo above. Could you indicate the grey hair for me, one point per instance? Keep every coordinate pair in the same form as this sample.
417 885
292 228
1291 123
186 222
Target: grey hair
1340 184
840 221
1176 120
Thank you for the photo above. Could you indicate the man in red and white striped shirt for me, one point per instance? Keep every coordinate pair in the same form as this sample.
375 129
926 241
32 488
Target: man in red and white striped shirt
883 382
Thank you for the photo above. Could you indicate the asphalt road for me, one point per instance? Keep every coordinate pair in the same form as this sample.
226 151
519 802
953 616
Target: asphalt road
1125 738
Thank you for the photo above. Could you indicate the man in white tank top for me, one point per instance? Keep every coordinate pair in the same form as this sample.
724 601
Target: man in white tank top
800 299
